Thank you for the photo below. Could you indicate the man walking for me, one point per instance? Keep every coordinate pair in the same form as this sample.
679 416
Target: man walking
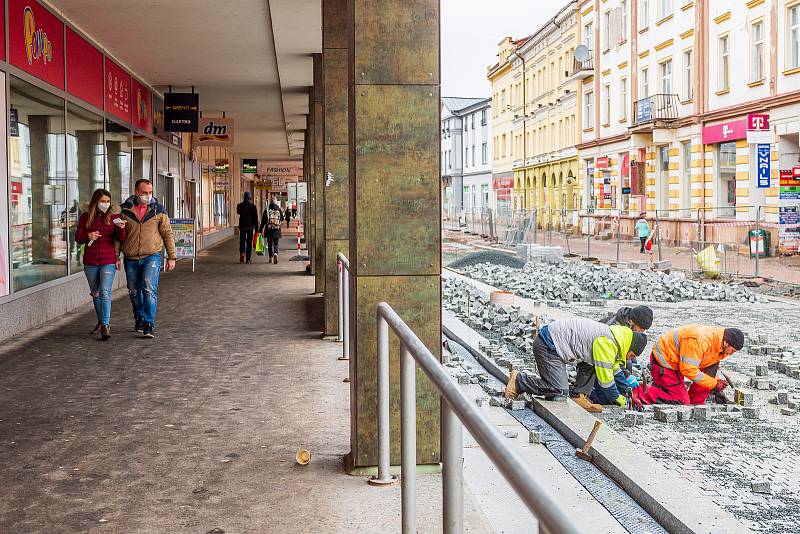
271 228
248 222
149 232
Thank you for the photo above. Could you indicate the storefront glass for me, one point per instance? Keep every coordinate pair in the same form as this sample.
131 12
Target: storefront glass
118 161
142 159
37 173
85 170
727 179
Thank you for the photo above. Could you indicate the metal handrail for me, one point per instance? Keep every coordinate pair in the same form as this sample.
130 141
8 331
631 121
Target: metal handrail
343 335
456 406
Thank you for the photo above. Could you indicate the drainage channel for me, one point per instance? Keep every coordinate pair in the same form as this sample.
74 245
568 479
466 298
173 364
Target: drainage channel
613 498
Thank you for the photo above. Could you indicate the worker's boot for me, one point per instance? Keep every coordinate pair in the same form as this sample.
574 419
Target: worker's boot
511 387
583 401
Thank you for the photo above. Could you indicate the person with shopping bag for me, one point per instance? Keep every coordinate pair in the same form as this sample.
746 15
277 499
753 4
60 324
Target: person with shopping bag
248 222
271 228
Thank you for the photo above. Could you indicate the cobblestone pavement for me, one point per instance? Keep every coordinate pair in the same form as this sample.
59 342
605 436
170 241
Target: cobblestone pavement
197 429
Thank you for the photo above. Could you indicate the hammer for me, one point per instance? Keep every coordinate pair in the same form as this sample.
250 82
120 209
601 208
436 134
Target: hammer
583 454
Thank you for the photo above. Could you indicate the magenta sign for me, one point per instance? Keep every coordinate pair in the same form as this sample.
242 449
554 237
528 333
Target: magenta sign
735 130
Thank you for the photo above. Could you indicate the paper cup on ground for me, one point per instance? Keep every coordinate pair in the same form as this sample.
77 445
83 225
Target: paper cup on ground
302 457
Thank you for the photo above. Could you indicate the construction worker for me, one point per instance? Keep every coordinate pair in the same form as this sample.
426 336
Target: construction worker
638 319
694 352
596 349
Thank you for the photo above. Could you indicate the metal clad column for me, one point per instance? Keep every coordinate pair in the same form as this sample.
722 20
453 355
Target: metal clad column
337 192
319 176
395 223
310 172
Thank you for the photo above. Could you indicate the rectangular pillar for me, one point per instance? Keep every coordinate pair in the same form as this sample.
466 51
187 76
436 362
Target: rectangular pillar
395 227
308 172
337 192
319 176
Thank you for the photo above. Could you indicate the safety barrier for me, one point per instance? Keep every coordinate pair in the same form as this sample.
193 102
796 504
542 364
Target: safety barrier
456 410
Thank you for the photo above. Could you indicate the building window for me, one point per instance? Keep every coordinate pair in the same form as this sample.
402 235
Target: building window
723 65
644 14
588 110
645 83
40 217
606 104
665 77
485 153
664 9
483 117
623 103
473 155
607 30
794 37
688 81
503 101
757 51
588 35
503 144
623 6
472 122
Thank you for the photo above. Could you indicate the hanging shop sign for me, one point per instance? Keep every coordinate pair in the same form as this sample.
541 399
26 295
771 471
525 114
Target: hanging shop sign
601 163
13 122
36 41
249 166
214 131
181 112
758 122
142 106
280 168
84 69
763 163
117 91
221 166
263 183
789 184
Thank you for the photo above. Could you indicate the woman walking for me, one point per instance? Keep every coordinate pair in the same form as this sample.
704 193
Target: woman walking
271 228
100 230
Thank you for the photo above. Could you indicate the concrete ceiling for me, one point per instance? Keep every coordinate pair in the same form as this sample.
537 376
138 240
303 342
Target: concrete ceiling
248 58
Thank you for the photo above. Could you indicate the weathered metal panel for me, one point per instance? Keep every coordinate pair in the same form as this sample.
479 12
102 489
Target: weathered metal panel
337 201
417 300
334 24
397 219
335 96
396 42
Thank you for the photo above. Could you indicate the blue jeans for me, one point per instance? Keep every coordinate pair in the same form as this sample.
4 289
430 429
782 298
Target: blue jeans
143 286
101 279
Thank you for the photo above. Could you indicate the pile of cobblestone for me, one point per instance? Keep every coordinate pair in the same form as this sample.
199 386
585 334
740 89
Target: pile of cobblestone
579 282
487 256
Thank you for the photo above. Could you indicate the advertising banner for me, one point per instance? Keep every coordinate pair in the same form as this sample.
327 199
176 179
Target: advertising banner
183 231
142 105
302 192
214 132
117 92
789 186
763 163
36 41
181 112
84 70
789 233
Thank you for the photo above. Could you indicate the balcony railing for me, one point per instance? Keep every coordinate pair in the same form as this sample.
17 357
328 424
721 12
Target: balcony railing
583 69
660 107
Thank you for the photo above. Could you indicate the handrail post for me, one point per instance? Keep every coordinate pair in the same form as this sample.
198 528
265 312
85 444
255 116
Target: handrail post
408 440
758 235
452 472
383 477
346 319
341 299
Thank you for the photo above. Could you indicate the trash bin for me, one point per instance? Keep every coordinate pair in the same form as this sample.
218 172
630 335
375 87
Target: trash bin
759 242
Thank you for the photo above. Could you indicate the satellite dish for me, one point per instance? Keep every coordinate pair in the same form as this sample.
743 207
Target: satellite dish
582 53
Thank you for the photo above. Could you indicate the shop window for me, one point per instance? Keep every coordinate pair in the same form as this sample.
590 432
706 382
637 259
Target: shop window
85 170
142 159
726 185
118 161
37 173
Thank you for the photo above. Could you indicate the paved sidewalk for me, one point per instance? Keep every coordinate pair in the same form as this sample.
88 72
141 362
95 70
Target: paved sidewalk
197 429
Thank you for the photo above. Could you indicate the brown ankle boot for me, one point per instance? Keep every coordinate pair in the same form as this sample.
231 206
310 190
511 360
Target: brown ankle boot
511 386
96 329
105 332
583 401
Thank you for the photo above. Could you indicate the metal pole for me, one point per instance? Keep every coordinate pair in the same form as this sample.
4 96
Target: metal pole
658 237
341 300
408 439
452 472
383 477
346 320
619 224
758 236
535 223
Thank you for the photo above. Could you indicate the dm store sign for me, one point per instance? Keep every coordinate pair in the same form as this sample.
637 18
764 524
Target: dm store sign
36 40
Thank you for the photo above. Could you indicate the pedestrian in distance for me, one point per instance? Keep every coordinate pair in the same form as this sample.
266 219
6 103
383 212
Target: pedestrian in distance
101 230
149 232
597 350
271 228
248 222
642 229
294 211
288 215
692 352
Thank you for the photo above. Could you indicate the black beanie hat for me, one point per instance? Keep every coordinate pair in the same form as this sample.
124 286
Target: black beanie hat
642 316
734 337
638 343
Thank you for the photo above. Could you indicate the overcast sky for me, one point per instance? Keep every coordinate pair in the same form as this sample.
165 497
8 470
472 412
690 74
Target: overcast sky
471 30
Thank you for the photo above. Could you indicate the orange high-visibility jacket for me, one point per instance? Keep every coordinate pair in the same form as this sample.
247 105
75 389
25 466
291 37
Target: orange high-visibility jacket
689 348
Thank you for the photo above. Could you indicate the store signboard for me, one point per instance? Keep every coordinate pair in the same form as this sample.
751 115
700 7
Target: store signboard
789 185
142 106
117 93
181 112
280 168
758 122
214 131
763 165
84 69
183 232
302 192
13 122
601 163
36 41
789 233
249 166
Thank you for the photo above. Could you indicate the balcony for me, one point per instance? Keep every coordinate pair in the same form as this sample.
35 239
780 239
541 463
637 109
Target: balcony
661 108
583 69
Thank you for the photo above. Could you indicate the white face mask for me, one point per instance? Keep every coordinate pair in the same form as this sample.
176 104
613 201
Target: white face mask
145 199
103 206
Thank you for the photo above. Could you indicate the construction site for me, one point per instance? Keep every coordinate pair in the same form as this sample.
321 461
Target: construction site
737 451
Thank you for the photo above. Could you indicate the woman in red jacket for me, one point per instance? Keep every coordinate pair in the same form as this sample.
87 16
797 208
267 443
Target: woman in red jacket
98 229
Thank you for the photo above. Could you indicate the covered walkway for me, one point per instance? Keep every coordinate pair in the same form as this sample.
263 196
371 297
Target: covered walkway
197 429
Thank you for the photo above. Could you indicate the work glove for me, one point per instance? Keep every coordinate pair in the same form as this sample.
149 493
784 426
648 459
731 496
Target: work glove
632 381
721 385
636 402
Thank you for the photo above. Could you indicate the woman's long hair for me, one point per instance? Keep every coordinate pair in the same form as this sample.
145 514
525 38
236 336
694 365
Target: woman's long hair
94 212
